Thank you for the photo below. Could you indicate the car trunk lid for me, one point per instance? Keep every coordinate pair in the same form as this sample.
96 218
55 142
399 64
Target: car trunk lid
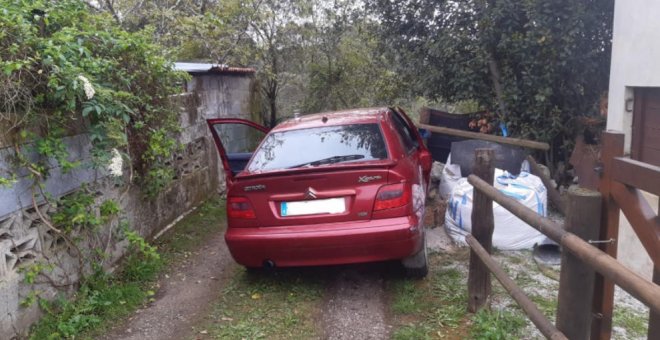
315 195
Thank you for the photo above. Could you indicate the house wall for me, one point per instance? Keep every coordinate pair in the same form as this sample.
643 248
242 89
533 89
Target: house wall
635 56
25 239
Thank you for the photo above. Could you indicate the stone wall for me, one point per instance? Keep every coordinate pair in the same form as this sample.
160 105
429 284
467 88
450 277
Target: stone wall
25 239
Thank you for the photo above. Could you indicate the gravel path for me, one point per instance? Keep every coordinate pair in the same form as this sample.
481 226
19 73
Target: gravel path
355 304
185 296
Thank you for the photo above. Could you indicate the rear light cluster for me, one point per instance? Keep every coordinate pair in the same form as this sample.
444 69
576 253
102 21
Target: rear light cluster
240 207
393 196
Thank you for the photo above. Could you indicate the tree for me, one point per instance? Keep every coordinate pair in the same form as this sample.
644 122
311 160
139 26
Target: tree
539 64
347 66
279 35
202 30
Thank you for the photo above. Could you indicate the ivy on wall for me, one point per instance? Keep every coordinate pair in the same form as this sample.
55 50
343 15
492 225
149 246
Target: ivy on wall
65 70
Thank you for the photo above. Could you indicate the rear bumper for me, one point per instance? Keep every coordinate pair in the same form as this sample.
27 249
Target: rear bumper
325 244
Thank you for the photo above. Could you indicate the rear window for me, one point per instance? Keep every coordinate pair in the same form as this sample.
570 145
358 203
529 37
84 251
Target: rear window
319 146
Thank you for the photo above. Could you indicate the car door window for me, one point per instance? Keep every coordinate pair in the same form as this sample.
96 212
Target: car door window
238 138
406 136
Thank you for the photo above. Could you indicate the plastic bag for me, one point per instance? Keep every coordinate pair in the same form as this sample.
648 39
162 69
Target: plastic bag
451 175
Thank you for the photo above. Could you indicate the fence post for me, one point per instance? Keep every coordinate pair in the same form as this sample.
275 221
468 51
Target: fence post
654 318
576 282
603 304
479 285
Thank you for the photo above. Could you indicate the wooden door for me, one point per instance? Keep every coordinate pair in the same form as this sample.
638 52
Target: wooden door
646 126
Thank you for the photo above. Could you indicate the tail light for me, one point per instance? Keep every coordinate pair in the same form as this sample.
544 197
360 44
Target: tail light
393 196
240 207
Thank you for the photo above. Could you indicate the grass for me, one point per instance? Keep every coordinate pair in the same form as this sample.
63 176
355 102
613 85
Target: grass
281 305
101 299
634 322
191 231
430 308
497 325
104 299
436 308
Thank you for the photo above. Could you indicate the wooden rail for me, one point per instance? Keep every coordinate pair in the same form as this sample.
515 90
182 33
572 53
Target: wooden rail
580 259
542 323
645 291
636 174
482 136
481 263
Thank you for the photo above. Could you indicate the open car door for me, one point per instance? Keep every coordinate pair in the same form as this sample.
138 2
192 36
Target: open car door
236 140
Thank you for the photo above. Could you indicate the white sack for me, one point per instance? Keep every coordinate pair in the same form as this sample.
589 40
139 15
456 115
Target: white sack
510 232
451 174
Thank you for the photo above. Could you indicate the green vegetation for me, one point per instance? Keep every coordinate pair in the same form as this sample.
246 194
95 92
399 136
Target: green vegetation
432 307
191 231
497 325
66 70
539 65
635 322
104 297
436 307
265 306
547 305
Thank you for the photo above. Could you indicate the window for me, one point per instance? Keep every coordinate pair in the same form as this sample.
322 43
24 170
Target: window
403 130
286 149
238 138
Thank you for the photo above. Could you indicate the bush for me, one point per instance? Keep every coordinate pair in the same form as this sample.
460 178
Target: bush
66 70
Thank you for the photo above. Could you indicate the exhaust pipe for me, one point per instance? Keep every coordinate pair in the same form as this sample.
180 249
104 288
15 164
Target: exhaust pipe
269 264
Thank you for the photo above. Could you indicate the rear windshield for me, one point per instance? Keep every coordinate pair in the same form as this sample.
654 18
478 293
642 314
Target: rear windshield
319 146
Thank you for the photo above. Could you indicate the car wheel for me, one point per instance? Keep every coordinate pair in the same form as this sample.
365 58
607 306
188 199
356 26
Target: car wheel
416 266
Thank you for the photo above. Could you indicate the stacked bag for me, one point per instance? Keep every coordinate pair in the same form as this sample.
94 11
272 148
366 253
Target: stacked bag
510 233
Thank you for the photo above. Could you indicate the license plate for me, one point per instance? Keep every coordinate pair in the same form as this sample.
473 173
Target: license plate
322 206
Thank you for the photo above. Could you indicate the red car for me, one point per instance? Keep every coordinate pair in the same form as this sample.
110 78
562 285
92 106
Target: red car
328 188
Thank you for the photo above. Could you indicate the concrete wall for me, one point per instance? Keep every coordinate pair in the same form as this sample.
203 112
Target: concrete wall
25 239
635 55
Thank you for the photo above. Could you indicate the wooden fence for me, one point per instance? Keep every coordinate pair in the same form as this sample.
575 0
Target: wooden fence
589 273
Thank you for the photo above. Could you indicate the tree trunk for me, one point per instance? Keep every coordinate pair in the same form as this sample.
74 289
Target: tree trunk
272 100
494 69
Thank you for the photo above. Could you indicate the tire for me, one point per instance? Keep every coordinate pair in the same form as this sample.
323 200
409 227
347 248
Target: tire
417 266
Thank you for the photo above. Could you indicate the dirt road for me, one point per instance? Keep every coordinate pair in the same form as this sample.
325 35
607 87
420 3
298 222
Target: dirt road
353 306
185 296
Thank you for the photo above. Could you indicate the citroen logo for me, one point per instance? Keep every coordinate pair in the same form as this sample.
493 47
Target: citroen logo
310 194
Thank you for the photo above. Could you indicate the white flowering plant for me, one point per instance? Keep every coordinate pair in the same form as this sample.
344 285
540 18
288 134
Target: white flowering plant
86 74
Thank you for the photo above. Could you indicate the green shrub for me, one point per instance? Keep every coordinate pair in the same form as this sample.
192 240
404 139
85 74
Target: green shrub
66 70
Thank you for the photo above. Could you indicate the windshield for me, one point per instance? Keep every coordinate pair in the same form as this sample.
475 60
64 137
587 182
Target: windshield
319 146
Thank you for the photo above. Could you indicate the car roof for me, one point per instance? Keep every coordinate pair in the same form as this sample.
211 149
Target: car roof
330 118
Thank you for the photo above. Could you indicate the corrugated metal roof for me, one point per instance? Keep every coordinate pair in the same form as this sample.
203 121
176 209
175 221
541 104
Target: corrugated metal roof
211 68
